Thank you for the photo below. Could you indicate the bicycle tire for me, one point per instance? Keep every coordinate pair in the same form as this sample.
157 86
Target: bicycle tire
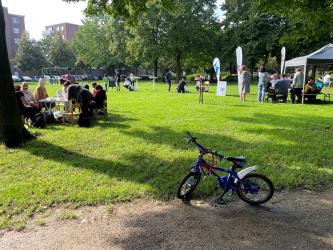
185 192
248 188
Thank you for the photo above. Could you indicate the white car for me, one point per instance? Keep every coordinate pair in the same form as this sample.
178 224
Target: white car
26 78
16 79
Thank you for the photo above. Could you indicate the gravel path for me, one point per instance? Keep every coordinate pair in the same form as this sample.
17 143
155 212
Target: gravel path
297 220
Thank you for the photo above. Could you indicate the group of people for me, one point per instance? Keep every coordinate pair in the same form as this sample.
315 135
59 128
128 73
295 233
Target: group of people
30 104
110 81
280 85
199 83
88 100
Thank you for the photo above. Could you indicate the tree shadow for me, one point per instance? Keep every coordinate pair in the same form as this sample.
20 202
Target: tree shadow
112 119
283 225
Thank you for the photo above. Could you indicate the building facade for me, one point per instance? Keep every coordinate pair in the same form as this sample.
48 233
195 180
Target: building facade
66 30
15 26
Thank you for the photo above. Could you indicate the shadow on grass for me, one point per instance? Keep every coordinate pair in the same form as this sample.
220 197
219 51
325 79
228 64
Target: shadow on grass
163 175
112 119
287 224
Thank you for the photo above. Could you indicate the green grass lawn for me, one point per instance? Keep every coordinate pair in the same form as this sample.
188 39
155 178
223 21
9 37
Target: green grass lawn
138 149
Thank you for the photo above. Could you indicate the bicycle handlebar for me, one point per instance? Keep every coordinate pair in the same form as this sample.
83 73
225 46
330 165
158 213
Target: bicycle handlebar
202 149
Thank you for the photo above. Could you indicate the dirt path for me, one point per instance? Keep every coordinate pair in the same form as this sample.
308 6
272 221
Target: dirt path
301 220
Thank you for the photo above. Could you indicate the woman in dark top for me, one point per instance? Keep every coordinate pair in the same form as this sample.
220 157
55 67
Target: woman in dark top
25 109
181 86
99 97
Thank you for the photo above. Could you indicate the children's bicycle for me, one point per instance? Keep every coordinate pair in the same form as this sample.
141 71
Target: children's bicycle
251 187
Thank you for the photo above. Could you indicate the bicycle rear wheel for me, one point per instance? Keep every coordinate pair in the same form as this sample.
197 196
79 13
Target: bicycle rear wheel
188 185
255 189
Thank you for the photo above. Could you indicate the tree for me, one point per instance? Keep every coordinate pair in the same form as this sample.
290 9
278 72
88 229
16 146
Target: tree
309 22
61 53
149 37
45 44
192 33
256 32
101 41
12 131
124 8
29 55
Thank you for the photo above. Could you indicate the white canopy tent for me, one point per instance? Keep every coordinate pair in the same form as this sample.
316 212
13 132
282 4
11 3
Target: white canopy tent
319 57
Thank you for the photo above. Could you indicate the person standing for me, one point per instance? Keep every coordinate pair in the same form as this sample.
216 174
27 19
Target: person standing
297 86
168 77
118 78
245 78
68 76
106 81
262 83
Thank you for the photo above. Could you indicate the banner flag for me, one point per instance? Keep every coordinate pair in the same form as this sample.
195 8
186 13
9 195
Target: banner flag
239 58
221 89
283 59
216 65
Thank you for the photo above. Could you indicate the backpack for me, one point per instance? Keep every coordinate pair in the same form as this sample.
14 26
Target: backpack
84 121
38 121
49 117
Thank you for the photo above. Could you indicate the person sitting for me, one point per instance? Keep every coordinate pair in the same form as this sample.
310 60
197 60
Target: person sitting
311 88
198 82
281 88
41 94
40 91
73 91
128 85
181 86
132 79
28 96
274 79
84 98
25 108
99 97
206 84
93 91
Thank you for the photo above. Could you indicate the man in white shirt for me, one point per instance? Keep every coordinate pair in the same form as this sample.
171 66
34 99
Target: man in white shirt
327 80
297 86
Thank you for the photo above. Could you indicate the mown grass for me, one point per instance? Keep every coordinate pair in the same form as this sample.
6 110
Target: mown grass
138 149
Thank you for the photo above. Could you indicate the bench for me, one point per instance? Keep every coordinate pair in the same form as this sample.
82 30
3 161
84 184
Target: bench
278 97
71 113
326 96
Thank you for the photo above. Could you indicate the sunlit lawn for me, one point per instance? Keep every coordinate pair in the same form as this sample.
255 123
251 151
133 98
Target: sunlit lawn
138 149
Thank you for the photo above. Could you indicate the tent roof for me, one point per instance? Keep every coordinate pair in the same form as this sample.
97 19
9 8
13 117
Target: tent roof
321 56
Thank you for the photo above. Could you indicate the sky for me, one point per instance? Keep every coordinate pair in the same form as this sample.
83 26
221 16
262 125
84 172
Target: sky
40 13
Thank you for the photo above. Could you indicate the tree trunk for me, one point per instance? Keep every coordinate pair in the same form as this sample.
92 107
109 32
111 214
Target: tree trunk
12 131
155 67
178 66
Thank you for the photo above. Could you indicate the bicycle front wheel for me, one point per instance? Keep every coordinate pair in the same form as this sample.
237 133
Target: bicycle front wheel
188 185
255 189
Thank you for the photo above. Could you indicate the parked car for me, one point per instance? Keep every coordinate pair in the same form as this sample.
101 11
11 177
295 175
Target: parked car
26 78
35 78
16 79
78 77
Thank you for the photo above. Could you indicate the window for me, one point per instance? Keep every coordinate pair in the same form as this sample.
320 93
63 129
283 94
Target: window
58 28
16 30
62 27
63 36
16 41
15 19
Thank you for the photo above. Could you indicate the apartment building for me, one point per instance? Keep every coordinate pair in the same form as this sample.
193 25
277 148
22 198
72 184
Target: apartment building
15 26
66 30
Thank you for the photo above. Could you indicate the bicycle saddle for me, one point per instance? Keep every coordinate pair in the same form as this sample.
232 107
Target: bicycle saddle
237 159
